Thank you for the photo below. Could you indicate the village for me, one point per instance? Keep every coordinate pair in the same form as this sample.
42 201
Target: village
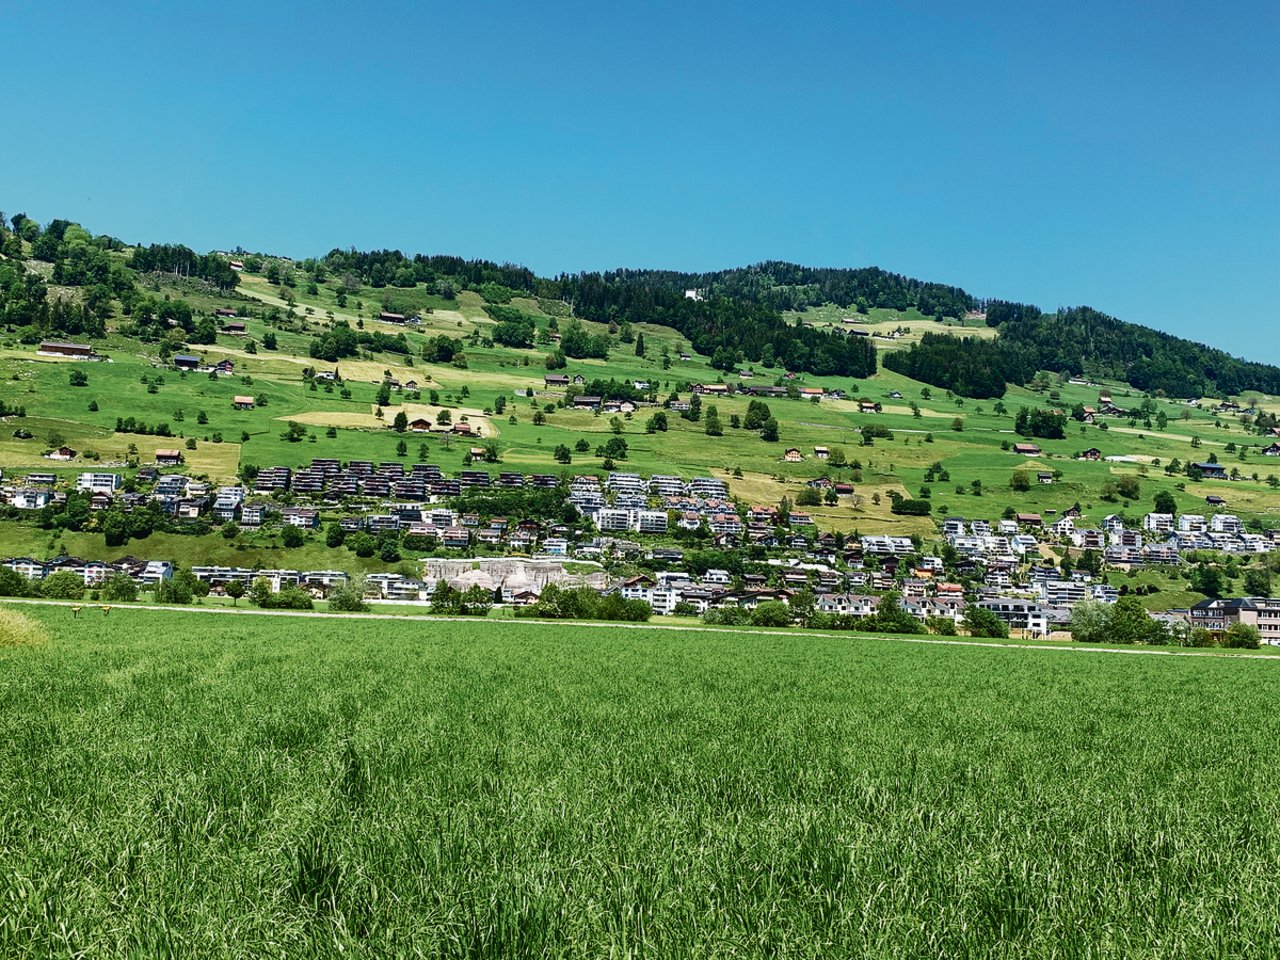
638 530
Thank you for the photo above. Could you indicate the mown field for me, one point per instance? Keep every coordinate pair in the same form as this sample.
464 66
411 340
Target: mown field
192 785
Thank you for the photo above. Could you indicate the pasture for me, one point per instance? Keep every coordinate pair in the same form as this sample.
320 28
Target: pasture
300 787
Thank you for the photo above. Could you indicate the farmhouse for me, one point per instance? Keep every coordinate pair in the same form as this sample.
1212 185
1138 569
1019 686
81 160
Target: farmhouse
225 312
821 453
868 406
168 458
185 361
224 367
586 402
235 327
713 389
1026 449
793 455
243 403
386 317
1271 451
420 425
78 351
1211 471
555 380
1093 453
1044 476
62 453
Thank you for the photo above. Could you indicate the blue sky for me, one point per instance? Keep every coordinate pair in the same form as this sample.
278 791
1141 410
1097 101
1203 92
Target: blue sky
1123 155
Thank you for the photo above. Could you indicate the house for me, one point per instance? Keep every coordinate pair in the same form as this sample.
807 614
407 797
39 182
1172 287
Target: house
579 379
555 380
1219 616
420 425
386 317
225 312
168 458
710 389
98 482
62 453
640 385
810 393
77 351
301 517
242 403
1044 476
30 498
1026 449
1093 453
792 455
1214 500
185 361
1029 519
1211 471
235 328
868 406
586 402
1271 451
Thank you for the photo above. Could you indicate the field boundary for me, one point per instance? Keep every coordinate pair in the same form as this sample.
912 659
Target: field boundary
673 627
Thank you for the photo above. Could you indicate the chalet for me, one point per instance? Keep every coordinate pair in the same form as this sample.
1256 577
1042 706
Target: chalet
224 368
225 312
1026 449
464 429
1029 519
712 389
811 392
234 328
844 489
1271 451
386 317
555 380
1090 414
1211 471
77 351
1072 512
420 425
62 453
1093 453
1044 476
168 458
411 384
868 406
685 356
242 403
822 453
1215 501
476 453
792 455
579 379
185 361
586 402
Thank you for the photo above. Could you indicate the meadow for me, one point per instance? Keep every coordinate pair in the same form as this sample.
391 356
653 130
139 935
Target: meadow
257 786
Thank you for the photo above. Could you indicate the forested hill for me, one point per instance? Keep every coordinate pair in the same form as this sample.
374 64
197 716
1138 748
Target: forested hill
734 316
1078 340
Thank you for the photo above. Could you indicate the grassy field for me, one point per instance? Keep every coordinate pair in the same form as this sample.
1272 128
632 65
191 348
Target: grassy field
251 786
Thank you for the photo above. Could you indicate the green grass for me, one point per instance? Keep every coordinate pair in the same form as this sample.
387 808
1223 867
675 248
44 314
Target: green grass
250 786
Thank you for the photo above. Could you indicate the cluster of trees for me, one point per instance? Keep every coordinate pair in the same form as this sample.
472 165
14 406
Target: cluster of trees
342 341
514 328
1037 422
185 262
970 366
475 601
380 268
583 603
1125 621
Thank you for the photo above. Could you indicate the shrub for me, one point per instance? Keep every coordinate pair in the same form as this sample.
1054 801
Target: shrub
63 585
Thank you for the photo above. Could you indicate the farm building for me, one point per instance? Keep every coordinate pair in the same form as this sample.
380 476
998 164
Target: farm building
1026 449
185 361
168 457
243 403
54 348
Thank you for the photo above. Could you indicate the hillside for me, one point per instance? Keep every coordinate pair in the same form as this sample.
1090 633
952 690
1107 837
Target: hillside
332 351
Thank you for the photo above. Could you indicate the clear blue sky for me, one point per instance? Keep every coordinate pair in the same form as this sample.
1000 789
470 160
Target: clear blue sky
1124 155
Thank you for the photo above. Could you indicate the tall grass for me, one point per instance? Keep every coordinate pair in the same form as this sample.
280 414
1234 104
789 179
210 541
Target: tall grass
19 630
198 786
